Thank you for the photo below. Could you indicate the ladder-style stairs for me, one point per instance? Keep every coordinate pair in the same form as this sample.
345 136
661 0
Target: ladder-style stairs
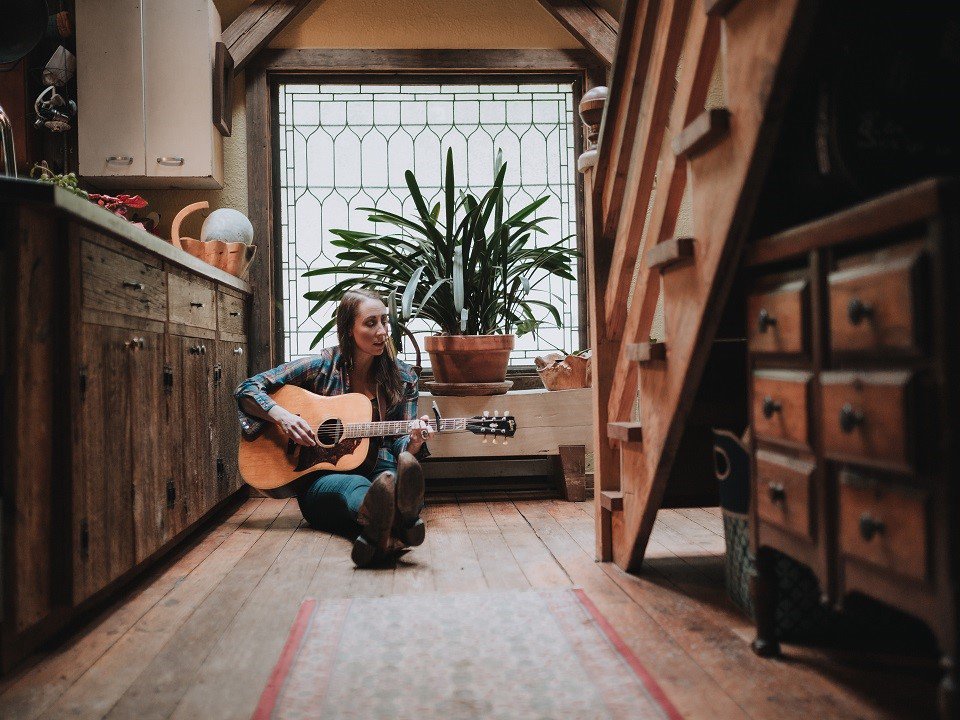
658 141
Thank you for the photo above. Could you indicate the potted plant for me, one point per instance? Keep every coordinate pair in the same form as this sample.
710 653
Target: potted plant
460 264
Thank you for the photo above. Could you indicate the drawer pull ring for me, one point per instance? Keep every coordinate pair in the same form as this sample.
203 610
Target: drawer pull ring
858 311
198 350
770 407
196 305
850 419
777 494
235 314
238 351
870 526
133 285
765 320
134 343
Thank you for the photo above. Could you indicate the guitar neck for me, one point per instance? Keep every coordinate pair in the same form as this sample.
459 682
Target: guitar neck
399 427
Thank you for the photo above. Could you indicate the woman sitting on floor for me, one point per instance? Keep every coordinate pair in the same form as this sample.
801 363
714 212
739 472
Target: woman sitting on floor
378 504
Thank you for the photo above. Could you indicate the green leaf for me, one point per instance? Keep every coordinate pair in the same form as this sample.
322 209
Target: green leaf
406 304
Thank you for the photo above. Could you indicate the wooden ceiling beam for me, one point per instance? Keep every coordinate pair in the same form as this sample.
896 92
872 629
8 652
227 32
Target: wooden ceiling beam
256 26
589 23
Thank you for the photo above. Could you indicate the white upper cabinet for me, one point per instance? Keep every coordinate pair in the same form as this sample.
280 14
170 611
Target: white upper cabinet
145 93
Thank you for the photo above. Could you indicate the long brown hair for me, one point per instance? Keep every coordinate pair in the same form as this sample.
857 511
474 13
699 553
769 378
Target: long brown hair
384 368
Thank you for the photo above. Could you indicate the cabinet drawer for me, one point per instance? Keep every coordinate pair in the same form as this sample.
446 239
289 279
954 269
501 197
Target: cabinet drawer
231 314
868 417
777 319
115 283
883 524
874 302
191 302
783 492
780 406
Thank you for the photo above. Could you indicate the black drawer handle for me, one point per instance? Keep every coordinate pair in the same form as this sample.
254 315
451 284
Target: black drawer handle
198 350
196 305
134 343
234 313
765 320
850 418
870 526
133 285
770 407
778 495
858 311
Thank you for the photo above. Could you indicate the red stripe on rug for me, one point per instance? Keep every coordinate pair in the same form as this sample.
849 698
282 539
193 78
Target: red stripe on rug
275 684
653 687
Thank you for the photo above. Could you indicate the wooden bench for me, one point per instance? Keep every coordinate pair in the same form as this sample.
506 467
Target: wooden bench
555 427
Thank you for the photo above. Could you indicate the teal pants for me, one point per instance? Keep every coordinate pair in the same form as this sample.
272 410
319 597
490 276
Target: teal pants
331 501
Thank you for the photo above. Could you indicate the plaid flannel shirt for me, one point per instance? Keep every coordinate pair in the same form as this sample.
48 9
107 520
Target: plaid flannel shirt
324 374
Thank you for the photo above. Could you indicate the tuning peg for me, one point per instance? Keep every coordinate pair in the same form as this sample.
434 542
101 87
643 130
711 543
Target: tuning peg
494 441
496 413
506 412
504 441
486 413
484 439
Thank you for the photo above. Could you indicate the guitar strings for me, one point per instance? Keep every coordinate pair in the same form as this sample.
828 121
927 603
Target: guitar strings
332 432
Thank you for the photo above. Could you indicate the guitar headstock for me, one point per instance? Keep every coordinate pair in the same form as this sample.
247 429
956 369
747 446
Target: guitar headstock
495 425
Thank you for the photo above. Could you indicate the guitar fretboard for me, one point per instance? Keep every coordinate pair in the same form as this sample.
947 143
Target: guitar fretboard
399 427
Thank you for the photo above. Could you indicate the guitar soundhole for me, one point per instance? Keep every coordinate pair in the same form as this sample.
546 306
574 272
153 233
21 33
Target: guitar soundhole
329 433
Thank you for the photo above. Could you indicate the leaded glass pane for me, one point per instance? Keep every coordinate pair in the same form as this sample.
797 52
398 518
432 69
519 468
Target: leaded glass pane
345 147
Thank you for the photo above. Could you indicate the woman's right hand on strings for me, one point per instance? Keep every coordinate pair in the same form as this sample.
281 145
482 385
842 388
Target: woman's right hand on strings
293 426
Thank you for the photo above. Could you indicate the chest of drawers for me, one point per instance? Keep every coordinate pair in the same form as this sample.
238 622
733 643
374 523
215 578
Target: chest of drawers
853 339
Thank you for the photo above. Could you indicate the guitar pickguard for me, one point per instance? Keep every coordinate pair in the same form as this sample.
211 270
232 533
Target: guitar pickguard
307 457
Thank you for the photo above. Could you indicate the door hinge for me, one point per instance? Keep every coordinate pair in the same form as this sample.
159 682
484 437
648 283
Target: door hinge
167 379
171 494
83 384
221 471
217 374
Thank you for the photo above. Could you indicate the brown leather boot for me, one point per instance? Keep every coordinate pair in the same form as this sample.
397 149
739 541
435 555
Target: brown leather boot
407 525
375 516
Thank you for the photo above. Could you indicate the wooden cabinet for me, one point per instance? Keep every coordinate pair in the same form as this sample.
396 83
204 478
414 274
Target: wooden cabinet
145 97
121 380
864 491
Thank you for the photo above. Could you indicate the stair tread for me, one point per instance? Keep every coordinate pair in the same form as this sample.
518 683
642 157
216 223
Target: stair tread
611 500
647 351
669 252
703 133
625 431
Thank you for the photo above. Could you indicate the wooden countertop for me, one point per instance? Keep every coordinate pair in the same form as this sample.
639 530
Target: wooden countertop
20 190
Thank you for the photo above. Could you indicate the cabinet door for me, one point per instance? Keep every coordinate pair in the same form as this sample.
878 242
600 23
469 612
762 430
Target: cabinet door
110 88
232 364
149 443
195 424
178 61
103 542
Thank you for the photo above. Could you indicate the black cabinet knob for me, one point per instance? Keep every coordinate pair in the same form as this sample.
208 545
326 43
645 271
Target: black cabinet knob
870 526
778 495
858 311
770 407
850 418
765 320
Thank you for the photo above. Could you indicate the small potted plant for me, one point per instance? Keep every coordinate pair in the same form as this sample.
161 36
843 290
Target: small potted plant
460 264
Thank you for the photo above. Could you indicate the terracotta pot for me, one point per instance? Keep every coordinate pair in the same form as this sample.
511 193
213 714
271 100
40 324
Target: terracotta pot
469 358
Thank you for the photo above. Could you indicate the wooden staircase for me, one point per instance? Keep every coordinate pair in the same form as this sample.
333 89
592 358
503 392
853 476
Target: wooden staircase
656 138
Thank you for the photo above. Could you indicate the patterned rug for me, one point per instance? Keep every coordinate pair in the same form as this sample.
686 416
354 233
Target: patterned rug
511 655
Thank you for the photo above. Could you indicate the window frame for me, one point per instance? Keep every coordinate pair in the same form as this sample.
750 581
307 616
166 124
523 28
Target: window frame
275 67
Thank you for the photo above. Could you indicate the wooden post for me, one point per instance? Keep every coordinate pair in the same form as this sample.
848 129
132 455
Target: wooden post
598 251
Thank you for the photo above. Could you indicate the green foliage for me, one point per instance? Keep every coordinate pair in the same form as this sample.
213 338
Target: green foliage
470 271
42 172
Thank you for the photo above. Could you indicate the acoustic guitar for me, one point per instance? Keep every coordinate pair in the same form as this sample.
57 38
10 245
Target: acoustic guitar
342 424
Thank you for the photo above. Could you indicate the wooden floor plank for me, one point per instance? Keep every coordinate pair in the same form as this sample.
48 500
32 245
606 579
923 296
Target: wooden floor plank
96 691
534 560
706 519
28 693
456 565
500 568
414 574
264 585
